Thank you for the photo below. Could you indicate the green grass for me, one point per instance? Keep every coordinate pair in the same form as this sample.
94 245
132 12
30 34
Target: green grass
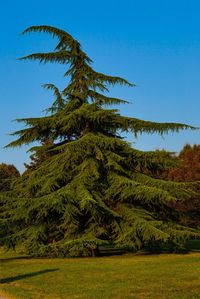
165 276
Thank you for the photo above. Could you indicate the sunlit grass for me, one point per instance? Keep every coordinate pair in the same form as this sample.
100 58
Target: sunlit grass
165 276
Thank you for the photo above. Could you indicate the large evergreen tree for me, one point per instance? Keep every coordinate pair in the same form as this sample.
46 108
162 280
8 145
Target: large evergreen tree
90 188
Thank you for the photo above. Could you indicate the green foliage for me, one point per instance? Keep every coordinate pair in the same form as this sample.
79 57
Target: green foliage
86 186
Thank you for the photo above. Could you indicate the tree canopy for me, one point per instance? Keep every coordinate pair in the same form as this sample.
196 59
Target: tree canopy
8 172
88 186
188 169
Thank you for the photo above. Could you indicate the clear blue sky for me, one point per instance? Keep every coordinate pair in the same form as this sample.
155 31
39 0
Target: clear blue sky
155 44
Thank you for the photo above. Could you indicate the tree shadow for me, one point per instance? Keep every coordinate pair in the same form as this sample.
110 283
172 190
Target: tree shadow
15 258
27 275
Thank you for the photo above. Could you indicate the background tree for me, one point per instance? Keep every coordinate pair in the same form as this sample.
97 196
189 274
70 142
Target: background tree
188 169
7 174
184 167
92 188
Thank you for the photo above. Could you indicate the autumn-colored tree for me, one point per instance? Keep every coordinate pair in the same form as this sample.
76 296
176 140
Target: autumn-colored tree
7 174
188 169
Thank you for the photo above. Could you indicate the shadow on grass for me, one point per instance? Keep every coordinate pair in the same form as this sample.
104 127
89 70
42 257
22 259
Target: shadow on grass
15 258
27 275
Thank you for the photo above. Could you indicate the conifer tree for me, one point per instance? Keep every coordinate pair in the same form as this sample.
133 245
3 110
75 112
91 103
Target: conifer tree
91 189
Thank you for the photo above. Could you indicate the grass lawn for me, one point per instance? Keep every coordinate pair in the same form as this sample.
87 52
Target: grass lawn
165 276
